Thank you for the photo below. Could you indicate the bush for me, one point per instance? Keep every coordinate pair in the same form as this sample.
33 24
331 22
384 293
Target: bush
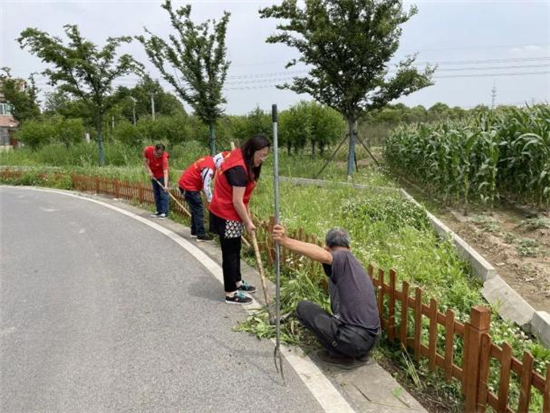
35 133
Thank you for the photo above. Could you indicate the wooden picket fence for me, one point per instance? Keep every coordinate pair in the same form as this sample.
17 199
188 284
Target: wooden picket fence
404 318
398 308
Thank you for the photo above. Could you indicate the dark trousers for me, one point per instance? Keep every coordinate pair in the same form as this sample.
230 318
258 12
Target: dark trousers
337 337
194 200
161 197
231 262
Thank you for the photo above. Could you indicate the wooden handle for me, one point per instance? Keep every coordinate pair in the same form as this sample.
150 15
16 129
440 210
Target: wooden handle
260 265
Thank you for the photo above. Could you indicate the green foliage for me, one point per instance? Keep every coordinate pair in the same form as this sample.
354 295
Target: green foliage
23 99
35 133
392 212
139 98
199 56
347 45
82 70
505 151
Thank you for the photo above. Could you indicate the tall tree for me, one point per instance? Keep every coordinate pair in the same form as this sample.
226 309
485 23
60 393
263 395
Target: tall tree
347 45
139 97
21 95
83 70
199 55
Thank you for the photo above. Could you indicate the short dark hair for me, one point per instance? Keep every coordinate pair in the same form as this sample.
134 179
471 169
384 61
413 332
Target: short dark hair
255 143
160 146
338 237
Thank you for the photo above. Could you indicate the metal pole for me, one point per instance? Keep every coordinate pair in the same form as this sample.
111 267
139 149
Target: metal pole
134 109
153 105
277 353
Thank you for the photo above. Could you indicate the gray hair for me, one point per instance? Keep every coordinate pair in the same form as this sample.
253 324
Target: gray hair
337 237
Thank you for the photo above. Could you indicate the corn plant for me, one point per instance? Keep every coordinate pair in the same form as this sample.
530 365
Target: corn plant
503 152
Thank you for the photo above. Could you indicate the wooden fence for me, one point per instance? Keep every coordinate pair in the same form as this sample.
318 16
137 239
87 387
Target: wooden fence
404 318
415 325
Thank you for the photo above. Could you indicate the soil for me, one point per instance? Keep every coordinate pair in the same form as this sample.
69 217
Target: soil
514 238
519 252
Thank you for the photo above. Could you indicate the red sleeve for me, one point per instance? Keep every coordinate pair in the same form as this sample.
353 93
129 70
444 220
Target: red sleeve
144 153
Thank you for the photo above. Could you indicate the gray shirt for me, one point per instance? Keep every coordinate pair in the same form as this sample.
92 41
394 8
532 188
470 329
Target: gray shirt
352 297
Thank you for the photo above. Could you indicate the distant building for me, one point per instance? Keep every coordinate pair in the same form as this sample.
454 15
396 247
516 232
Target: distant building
8 124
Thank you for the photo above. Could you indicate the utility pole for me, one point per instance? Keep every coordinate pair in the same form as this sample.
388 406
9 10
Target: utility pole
134 108
493 96
153 104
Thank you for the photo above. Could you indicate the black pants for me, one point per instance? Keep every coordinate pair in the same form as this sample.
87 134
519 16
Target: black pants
231 262
194 200
337 337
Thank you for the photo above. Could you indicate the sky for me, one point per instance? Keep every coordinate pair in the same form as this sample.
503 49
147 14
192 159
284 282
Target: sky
478 45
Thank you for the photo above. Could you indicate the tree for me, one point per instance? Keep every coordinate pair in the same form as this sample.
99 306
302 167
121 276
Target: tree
138 98
347 45
22 96
82 70
200 57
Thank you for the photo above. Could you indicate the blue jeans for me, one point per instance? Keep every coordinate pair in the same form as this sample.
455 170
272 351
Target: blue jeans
161 197
194 201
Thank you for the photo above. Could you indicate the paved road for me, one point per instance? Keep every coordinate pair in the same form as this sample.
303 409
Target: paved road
100 313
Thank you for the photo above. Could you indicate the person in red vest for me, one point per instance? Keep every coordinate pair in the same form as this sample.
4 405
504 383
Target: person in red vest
155 159
235 181
199 176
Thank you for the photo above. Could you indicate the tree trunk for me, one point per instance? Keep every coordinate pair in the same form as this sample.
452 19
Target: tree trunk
313 149
289 148
212 127
100 142
352 128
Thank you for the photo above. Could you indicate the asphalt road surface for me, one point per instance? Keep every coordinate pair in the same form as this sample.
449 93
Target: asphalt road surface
101 313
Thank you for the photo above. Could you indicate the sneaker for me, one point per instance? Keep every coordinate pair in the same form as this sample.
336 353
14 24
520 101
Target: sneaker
205 237
238 298
247 288
193 235
162 216
155 215
344 362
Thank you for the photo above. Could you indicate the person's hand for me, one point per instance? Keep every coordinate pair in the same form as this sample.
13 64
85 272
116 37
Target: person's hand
166 189
279 234
250 226
151 175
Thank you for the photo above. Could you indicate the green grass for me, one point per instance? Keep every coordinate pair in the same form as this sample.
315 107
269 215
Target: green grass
386 231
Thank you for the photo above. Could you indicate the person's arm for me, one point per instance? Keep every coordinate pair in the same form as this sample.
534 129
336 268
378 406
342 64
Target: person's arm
207 174
312 251
146 164
238 203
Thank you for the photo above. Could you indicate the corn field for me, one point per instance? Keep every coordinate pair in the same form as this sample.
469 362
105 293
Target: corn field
496 153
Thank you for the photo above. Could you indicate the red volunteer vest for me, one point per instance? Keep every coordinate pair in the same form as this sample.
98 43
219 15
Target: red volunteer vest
222 202
157 165
191 179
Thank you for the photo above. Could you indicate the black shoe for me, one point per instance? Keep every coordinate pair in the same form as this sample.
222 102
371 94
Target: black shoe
238 298
205 237
344 362
247 288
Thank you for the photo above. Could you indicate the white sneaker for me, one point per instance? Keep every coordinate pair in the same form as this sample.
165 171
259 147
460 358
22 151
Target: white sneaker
162 216
155 215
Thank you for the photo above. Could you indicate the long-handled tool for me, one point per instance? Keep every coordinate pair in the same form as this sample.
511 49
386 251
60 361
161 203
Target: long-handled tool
173 198
260 266
185 209
277 357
